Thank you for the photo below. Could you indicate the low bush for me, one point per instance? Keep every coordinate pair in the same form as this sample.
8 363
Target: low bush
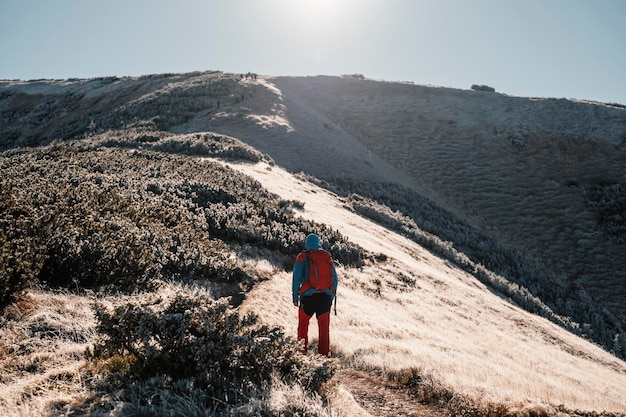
202 341
144 136
21 254
482 87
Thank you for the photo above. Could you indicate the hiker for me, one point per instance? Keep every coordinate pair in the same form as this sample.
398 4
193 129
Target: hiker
314 286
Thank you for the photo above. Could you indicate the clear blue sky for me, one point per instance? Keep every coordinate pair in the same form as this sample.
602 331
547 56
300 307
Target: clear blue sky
546 48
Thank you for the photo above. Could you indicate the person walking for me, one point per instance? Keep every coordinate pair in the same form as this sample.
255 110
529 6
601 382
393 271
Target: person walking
313 287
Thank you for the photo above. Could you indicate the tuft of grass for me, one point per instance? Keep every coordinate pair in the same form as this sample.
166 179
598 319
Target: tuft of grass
42 340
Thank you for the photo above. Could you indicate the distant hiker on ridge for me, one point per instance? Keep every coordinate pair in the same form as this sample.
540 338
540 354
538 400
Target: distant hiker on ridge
313 287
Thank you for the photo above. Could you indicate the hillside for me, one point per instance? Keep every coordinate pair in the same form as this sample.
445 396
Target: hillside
445 208
419 312
534 173
543 176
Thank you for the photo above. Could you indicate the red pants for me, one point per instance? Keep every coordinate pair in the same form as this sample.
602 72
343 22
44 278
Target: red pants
318 304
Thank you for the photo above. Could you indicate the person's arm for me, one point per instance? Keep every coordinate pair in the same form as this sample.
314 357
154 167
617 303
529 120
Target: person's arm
297 279
335 280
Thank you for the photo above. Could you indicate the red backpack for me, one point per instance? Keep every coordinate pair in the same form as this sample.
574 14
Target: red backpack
320 270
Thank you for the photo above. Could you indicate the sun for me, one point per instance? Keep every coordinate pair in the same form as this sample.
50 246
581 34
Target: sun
319 9
322 5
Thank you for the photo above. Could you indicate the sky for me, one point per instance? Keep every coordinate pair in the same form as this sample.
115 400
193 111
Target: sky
529 48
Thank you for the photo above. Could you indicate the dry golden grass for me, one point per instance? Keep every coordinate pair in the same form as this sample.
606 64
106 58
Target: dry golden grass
449 326
41 353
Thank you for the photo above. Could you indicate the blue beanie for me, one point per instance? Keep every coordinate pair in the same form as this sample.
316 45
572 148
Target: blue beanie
313 242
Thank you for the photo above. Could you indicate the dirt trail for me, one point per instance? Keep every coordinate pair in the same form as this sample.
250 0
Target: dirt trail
382 398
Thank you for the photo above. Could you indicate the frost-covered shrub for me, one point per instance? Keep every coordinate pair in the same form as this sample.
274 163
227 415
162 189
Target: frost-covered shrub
200 340
99 225
355 76
207 144
146 137
21 253
481 87
119 218
20 261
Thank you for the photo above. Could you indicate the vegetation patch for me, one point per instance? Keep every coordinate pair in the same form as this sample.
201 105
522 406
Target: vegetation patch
21 253
608 204
126 219
426 389
111 218
202 342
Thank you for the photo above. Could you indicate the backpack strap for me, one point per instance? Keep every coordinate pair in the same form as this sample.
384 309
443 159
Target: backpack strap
317 277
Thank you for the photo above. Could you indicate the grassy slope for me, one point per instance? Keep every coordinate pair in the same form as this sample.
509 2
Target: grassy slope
460 149
445 323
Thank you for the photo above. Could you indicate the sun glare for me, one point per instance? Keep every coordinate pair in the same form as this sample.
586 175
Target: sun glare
328 18
318 10
320 35
319 7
